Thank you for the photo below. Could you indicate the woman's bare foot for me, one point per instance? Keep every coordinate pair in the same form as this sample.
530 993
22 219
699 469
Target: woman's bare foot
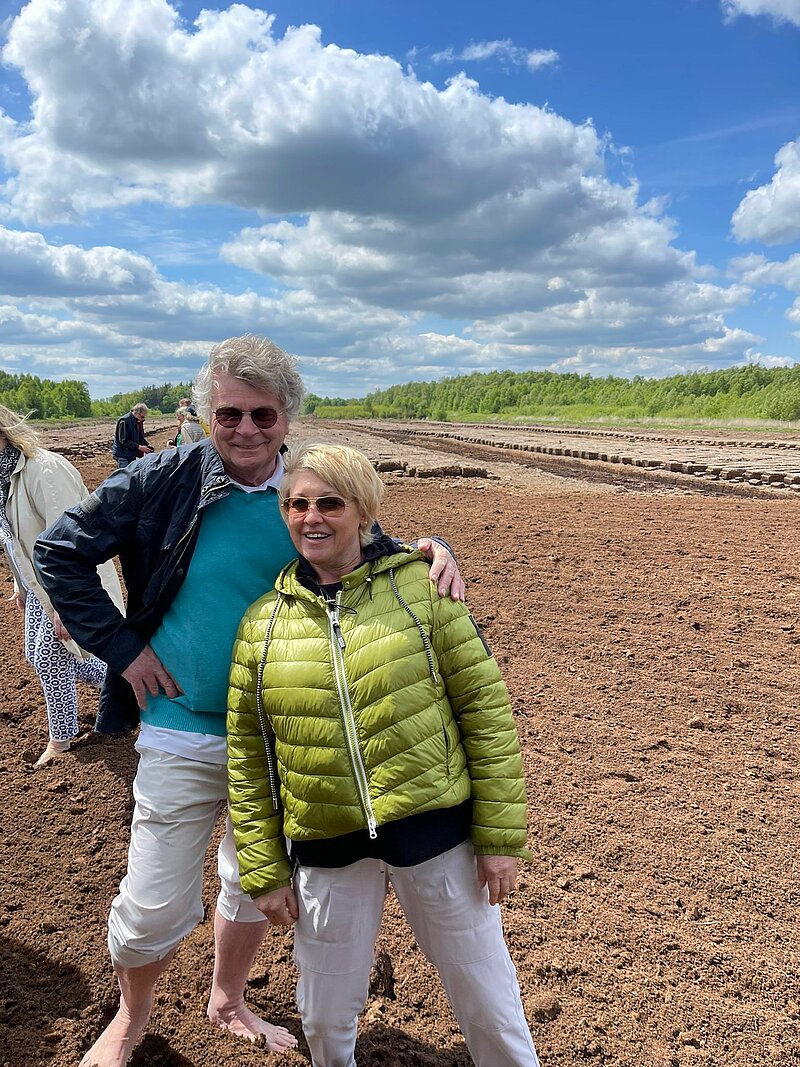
114 1047
55 750
239 1020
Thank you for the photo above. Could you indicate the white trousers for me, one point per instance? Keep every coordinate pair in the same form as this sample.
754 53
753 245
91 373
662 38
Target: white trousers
177 802
456 928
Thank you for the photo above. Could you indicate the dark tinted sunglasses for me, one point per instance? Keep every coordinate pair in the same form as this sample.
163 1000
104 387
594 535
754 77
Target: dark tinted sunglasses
263 418
325 505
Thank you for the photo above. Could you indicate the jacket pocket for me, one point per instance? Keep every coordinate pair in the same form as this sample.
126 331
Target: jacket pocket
447 744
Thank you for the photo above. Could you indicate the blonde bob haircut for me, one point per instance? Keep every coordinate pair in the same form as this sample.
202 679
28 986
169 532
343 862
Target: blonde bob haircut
346 470
17 432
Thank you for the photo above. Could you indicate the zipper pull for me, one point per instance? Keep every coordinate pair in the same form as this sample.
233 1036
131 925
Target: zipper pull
334 614
372 826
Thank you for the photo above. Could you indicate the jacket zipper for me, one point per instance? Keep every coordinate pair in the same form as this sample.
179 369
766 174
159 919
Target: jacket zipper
180 546
273 787
425 642
348 717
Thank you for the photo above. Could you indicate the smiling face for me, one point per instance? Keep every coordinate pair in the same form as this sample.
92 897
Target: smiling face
249 454
330 543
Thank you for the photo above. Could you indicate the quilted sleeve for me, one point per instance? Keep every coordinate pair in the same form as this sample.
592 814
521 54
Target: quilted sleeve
257 820
482 709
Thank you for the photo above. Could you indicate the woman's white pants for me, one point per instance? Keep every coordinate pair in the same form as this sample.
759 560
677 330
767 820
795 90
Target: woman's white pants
456 928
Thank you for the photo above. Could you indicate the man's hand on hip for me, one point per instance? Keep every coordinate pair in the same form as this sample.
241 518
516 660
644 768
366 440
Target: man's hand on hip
147 674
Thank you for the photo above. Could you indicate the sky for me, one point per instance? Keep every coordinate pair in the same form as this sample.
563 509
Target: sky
399 191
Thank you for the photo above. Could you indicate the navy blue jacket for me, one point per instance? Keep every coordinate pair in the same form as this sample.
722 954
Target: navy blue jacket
128 435
149 515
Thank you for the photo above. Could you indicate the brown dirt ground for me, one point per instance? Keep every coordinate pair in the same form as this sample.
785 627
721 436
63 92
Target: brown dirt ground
650 643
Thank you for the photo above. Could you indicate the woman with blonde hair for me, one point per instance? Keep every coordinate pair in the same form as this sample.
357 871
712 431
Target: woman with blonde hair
371 742
36 486
189 427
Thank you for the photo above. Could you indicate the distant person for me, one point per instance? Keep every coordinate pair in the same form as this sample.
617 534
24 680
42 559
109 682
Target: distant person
189 428
129 440
36 486
370 730
197 530
185 402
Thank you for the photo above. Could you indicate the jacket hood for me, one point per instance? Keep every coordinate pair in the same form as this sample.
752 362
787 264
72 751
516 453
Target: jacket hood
378 556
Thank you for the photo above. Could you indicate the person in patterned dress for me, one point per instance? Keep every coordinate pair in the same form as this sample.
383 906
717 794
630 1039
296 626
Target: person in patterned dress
36 486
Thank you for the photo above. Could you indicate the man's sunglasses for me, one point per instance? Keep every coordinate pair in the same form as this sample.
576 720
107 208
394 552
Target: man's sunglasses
325 505
263 418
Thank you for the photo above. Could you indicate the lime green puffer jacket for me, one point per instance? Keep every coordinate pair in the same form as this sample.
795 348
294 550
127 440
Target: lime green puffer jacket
347 717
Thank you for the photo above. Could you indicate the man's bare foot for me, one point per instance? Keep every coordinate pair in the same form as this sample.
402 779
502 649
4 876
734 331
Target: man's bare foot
55 750
114 1047
239 1020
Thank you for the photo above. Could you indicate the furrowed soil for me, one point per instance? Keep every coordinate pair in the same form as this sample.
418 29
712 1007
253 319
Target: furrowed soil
649 638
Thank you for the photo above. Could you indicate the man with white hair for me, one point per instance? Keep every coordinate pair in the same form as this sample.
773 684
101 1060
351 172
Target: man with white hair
199 537
129 440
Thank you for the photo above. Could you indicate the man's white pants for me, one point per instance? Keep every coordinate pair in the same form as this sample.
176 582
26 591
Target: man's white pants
455 926
177 802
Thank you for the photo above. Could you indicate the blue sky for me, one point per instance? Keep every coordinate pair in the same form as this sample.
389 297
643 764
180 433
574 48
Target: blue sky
399 191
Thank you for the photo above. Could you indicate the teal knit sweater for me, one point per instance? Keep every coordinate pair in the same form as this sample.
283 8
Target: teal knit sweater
242 545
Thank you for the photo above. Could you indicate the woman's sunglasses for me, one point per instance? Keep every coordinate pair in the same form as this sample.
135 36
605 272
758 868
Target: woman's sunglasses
325 505
263 418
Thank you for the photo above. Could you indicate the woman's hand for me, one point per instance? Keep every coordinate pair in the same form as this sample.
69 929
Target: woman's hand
19 601
498 874
279 906
62 633
445 574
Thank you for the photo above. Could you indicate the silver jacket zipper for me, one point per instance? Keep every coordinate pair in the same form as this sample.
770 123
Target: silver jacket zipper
273 778
425 642
348 717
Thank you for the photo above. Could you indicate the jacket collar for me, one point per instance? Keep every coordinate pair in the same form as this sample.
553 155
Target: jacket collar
21 461
216 482
381 555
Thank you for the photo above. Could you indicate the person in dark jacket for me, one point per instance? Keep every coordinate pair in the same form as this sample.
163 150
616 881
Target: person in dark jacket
196 531
129 440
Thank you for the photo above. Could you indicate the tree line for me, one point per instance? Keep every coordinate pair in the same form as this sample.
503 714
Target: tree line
751 392
48 400
70 399
160 399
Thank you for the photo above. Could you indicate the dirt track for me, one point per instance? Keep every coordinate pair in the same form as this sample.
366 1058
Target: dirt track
650 643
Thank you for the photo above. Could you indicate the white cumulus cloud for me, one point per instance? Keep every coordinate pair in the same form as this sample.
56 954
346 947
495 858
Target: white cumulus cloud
229 114
506 51
779 10
771 213
30 267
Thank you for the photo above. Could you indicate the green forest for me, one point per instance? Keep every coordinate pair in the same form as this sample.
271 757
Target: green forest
751 392
46 399
59 400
